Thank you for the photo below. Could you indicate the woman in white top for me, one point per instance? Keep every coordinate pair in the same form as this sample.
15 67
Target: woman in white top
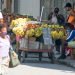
4 48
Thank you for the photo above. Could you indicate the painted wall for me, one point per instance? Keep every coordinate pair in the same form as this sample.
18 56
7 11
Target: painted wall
2 5
51 4
12 6
29 7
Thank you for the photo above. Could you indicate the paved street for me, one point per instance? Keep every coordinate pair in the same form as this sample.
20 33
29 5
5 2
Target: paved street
41 69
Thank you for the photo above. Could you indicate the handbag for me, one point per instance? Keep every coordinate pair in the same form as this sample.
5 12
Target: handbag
14 61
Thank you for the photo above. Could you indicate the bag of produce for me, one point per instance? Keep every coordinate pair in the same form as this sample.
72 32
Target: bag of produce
14 61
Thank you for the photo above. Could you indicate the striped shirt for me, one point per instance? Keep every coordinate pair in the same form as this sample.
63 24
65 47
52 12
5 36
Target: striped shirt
71 36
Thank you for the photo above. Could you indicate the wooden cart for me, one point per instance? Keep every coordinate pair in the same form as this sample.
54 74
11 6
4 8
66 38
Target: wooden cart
39 51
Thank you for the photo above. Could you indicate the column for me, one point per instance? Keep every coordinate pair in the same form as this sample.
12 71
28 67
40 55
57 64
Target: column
9 5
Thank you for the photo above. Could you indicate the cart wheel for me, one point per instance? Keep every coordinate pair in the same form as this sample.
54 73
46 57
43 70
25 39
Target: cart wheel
40 56
19 55
51 56
26 54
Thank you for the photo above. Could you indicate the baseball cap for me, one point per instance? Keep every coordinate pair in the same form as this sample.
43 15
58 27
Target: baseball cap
68 5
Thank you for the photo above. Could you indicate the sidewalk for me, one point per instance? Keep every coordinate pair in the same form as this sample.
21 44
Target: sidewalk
68 62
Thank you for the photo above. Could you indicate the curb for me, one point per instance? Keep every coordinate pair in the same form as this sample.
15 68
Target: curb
66 63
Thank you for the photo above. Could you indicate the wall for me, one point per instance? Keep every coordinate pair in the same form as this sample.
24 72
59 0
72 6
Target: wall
16 6
2 5
12 6
29 7
51 4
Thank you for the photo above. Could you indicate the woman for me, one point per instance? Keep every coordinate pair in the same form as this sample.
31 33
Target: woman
4 49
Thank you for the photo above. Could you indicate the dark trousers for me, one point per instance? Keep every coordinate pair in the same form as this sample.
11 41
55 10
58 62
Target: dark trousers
63 52
58 48
58 44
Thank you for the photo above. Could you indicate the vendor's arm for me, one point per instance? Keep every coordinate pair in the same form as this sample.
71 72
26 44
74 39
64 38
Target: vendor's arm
71 36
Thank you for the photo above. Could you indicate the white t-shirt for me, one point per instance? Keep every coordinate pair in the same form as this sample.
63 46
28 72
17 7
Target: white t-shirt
54 19
4 46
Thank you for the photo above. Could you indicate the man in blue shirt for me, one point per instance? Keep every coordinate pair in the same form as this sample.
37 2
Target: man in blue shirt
71 36
65 42
71 27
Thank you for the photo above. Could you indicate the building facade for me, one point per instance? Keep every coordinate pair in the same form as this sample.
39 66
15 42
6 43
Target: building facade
34 7
51 4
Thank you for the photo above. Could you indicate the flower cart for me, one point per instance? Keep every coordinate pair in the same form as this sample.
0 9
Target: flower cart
31 38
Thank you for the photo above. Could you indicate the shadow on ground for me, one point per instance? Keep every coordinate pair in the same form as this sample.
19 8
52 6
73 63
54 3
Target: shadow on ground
49 66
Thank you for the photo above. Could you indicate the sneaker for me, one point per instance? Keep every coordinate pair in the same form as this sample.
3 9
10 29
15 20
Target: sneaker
62 57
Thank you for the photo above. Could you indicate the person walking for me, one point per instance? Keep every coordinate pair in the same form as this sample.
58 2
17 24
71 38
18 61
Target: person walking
4 49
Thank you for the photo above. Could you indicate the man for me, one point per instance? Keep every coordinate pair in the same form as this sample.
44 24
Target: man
56 18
